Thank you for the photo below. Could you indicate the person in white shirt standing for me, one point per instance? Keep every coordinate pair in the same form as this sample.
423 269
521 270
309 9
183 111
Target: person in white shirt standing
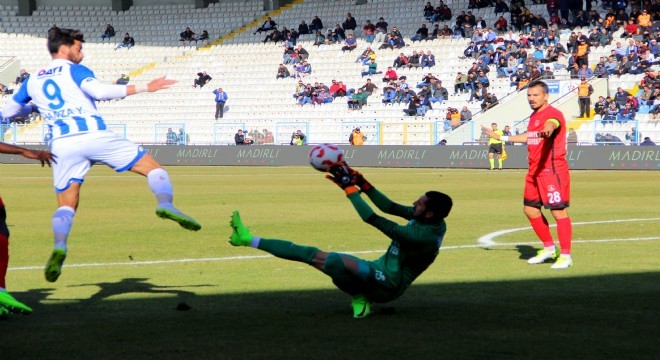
64 92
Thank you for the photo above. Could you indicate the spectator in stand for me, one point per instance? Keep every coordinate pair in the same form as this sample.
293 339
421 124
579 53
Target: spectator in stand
316 25
304 95
303 29
398 42
339 33
220 100
388 43
337 89
349 24
322 97
466 114
390 74
501 7
369 88
644 21
389 96
127 42
239 138
633 102
645 95
611 114
428 60
108 33
421 34
268 25
380 34
585 72
123 80
369 31
600 106
367 55
303 54
424 105
489 101
647 142
350 44
548 74
414 60
203 37
21 77
501 25
186 35
413 104
319 39
634 136
275 36
372 69
202 79
303 69
460 82
290 56
600 71
296 140
282 72
360 99
182 138
400 61
439 93
624 66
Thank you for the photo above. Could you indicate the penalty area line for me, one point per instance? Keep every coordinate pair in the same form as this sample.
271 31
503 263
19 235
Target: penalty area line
253 257
487 240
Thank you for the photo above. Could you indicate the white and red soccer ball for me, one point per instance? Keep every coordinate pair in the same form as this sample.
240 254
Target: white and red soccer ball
322 156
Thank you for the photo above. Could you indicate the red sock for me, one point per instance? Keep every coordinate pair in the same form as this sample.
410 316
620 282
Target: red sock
4 259
542 230
565 235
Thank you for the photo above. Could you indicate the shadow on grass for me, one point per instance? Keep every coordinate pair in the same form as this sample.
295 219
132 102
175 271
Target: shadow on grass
613 316
526 251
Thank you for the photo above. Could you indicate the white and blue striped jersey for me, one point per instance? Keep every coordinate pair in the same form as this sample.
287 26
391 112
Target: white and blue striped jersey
65 94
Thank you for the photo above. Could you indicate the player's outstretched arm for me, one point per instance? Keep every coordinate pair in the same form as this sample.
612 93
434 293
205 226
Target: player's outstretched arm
45 157
160 83
520 138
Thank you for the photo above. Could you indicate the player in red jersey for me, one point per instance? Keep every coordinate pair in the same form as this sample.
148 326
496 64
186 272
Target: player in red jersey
7 302
548 182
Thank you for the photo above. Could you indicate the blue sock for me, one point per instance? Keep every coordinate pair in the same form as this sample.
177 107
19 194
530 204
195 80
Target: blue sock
160 185
62 220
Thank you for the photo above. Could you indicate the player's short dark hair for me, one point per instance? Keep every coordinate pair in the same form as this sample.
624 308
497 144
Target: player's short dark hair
438 203
540 83
58 37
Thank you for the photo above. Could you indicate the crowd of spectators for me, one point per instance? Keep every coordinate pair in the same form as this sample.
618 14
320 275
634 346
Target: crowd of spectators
519 45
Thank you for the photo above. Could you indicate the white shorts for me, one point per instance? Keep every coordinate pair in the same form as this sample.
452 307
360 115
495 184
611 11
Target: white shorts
77 153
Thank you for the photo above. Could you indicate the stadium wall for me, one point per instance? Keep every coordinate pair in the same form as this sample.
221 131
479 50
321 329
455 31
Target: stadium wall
474 157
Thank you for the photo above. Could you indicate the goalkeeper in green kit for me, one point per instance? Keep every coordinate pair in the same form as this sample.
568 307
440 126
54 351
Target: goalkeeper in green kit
413 249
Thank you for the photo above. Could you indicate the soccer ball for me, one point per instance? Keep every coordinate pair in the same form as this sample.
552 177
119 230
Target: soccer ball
322 156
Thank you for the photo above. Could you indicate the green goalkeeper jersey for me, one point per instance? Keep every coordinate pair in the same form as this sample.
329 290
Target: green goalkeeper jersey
414 246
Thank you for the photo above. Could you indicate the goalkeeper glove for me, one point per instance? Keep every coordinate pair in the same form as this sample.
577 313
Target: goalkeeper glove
340 175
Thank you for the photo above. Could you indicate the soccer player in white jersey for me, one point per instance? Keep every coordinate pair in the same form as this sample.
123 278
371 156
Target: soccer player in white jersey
64 92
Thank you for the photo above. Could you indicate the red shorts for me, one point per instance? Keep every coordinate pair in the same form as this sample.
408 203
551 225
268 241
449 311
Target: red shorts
552 191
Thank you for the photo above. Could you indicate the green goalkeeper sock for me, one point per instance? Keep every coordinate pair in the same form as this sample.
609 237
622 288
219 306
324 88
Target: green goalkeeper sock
288 250
492 163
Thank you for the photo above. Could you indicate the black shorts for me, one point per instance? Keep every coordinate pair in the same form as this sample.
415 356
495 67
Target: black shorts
495 149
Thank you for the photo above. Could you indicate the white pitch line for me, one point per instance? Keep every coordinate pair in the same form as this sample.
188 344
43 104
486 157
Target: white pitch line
487 240
231 258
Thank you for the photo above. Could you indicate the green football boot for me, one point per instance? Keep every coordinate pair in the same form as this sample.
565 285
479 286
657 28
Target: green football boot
361 307
240 235
54 265
12 305
182 219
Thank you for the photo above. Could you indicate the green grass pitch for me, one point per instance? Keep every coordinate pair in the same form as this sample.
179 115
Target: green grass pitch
118 295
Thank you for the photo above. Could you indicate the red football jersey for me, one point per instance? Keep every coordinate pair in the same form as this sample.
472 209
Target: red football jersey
546 156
